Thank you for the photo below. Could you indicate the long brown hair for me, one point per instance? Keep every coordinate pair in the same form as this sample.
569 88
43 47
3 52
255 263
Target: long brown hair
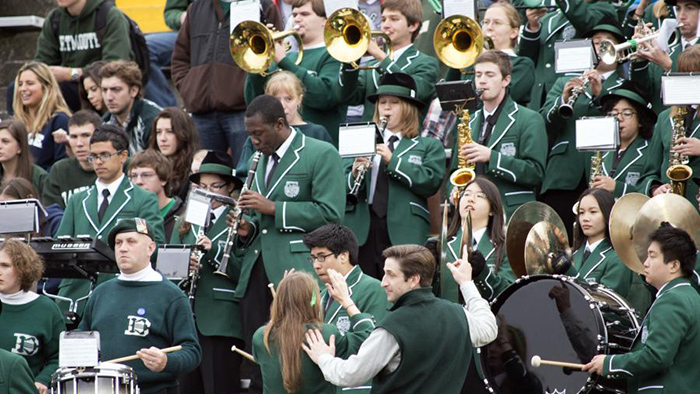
409 118
187 144
51 103
24 158
291 310
605 201
496 225
91 71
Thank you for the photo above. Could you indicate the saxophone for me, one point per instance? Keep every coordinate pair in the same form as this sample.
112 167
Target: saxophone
596 163
678 171
465 171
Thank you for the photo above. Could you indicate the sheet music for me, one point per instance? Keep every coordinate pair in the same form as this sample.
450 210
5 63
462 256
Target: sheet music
573 56
198 210
357 140
597 134
458 7
680 90
334 5
668 27
79 349
244 10
174 264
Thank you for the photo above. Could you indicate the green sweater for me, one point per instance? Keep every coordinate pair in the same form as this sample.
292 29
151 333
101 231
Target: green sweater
134 315
66 178
77 43
15 376
32 330
318 72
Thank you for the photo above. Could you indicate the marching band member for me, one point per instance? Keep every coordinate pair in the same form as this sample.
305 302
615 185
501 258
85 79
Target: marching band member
425 344
654 179
664 355
30 324
15 375
401 21
296 309
95 211
564 180
502 24
334 247
509 147
318 71
491 270
622 170
217 315
298 187
571 19
406 170
142 312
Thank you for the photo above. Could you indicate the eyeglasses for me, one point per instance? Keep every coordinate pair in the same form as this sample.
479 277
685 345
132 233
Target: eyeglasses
144 176
481 195
321 258
627 114
214 187
104 156
494 22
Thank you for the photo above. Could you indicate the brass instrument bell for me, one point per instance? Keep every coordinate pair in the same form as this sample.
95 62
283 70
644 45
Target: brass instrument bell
252 46
347 35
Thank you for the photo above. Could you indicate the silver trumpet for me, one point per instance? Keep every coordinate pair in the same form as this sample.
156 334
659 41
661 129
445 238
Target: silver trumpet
352 196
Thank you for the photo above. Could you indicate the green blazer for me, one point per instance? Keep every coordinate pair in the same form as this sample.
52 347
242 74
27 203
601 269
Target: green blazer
629 169
658 152
489 282
215 308
664 354
518 146
571 19
357 85
307 190
15 375
648 75
603 266
415 172
80 219
565 164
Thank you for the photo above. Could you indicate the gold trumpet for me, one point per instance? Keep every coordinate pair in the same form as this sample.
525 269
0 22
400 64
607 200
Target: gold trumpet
348 34
678 171
458 41
252 46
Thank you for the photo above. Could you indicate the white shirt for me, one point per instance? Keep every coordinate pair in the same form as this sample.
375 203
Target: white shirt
377 160
380 353
594 245
399 52
280 152
112 187
147 274
476 235
217 213
19 298
685 42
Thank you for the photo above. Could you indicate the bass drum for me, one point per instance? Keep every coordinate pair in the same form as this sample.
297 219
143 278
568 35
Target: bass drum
561 319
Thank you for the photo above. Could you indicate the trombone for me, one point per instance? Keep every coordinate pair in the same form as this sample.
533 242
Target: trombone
252 46
458 41
347 35
609 53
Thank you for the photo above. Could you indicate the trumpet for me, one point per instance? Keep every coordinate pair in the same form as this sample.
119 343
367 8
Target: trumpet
610 53
352 196
252 46
678 171
347 35
566 110
238 216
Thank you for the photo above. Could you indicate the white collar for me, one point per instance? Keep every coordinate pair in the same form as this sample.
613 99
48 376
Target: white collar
388 133
594 245
510 52
285 145
147 274
478 234
112 187
607 75
399 52
19 298
217 213
321 44
487 113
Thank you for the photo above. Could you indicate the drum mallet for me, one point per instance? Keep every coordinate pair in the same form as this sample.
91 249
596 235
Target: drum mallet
537 361
272 290
243 353
134 357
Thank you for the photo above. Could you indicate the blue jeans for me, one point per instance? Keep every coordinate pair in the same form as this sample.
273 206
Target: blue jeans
160 47
221 131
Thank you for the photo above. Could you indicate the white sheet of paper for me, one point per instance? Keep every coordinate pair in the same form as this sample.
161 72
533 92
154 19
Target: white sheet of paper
458 7
680 90
198 210
668 26
174 264
78 349
333 5
356 140
244 10
574 59
601 133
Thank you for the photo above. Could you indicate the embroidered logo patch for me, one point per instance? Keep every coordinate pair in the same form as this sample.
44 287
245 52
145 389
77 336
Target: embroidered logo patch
25 344
291 189
645 334
137 326
417 160
568 33
508 149
343 324
632 178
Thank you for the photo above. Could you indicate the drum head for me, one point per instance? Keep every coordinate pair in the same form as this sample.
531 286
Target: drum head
545 316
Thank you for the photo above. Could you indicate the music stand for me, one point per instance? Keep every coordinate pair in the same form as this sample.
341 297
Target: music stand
456 95
21 216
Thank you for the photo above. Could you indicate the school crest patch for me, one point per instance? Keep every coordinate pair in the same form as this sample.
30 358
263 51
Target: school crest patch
508 149
632 178
291 189
25 345
343 324
569 32
137 326
417 160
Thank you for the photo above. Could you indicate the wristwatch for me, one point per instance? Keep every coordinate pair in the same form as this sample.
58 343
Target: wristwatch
74 74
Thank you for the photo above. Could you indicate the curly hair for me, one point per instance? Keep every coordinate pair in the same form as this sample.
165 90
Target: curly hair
27 263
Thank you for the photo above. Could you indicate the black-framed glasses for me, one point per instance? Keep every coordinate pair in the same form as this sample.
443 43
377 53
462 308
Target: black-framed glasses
321 258
627 114
214 187
104 156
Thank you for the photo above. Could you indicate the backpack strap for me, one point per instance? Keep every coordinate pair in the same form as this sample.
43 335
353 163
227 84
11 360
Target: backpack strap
101 18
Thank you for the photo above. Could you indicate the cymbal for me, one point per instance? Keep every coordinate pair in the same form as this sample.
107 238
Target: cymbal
671 208
622 218
544 240
522 220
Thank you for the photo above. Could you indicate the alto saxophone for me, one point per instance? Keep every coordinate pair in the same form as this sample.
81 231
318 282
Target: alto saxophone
596 164
465 170
678 171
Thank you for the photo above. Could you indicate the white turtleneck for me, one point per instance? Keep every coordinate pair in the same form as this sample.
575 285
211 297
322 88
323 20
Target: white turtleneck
147 274
19 298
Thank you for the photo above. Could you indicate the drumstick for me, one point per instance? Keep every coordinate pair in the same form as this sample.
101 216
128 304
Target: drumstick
272 289
243 353
134 357
537 361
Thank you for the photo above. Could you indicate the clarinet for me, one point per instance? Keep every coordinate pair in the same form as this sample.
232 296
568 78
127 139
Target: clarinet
238 216
352 196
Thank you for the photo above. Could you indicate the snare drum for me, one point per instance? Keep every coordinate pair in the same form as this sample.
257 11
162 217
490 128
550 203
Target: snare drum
561 319
105 378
